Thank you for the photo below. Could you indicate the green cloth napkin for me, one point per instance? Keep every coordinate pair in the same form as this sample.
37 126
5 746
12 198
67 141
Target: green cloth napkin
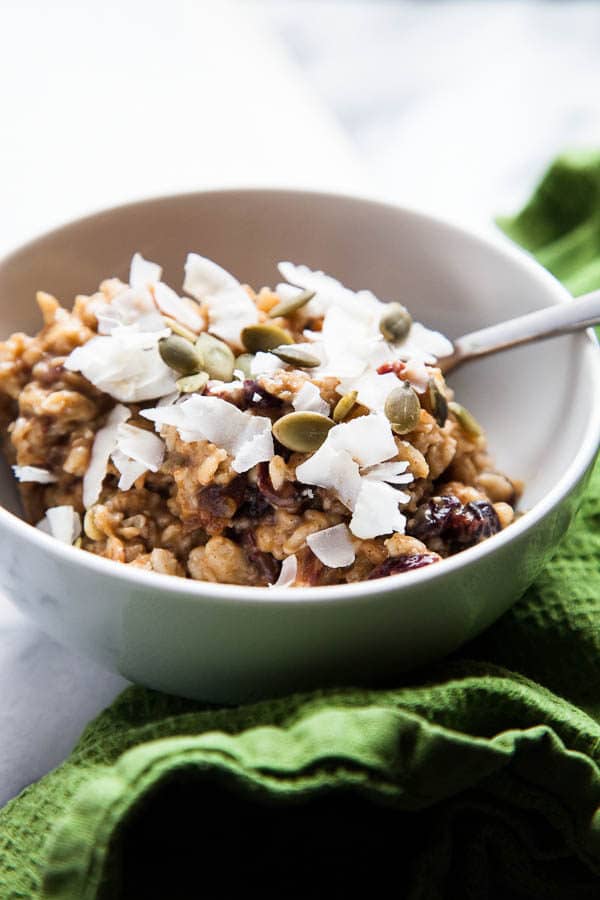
561 223
476 778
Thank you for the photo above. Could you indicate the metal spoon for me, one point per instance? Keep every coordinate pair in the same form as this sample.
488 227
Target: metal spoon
536 326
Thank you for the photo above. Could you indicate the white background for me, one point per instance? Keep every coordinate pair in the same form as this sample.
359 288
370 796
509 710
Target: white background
453 107
104 102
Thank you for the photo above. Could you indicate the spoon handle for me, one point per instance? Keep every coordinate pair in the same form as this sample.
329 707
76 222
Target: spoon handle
563 318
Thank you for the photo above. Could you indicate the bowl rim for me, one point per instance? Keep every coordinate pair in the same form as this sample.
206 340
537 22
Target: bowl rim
192 590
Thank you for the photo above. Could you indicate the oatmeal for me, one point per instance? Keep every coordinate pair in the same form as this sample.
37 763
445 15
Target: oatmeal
298 436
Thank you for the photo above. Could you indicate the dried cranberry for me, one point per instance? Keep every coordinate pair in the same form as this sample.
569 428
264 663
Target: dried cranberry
397 564
287 497
477 521
432 519
217 504
397 367
267 566
255 506
310 570
456 524
255 397
218 499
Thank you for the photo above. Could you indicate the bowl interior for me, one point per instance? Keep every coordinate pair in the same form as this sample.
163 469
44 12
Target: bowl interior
534 402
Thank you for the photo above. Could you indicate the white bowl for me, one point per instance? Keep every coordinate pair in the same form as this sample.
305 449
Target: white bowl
540 406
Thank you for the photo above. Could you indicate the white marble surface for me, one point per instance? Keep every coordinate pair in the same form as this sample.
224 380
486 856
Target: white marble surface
48 695
107 102
452 107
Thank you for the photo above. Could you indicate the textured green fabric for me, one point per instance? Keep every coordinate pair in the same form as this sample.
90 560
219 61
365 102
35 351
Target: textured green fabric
477 778
561 222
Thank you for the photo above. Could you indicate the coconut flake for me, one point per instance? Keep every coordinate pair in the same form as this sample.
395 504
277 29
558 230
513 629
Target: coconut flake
180 308
344 343
368 439
62 522
133 303
373 389
333 546
203 277
352 322
169 415
265 363
364 441
391 473
417 374
141 445
302 277
329 291
376 511
426 343
129 307
288 573
104 444
125 364
130 469
230 308
33 473
229 312
244 436
143 273
350 343
308 399
169 399
287 291
254 445
332 469
136 451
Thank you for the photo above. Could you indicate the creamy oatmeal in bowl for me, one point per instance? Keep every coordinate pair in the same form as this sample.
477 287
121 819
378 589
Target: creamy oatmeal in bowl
296 436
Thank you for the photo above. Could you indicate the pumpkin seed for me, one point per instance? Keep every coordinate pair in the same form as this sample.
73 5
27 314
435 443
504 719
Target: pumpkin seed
292 305
395 323
344 405
219 361
465 419
437 403
264 337
403 409
180 355
243 362
302 432
297 356
182 330
89 526
192 384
